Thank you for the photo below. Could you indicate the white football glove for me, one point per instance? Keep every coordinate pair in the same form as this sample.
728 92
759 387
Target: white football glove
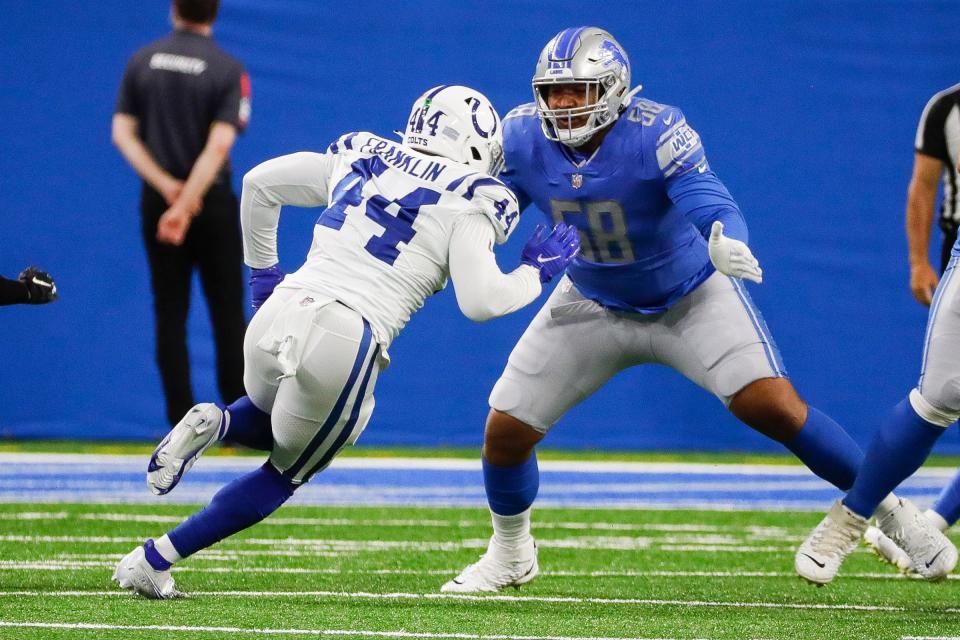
732 257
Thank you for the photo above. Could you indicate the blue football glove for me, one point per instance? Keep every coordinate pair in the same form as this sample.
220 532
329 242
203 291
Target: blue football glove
552 253
262 284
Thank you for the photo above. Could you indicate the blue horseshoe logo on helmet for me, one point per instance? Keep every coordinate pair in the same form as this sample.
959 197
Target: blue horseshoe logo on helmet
475 106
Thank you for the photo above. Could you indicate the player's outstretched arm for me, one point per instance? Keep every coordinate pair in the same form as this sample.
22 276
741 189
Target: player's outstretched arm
299 179
32 287
551 253
13 292
732 257
483 291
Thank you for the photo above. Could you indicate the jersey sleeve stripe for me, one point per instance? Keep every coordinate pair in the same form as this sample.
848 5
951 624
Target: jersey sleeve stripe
481 182
458 181
682 161
346 140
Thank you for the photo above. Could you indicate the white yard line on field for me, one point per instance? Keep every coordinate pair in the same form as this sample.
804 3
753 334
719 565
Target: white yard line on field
290 632
321 546
110 560
35 515
443 489
360 595
753 530
376 496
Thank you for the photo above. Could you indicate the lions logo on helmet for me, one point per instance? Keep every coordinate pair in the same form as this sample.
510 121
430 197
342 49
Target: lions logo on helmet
587 56
458 123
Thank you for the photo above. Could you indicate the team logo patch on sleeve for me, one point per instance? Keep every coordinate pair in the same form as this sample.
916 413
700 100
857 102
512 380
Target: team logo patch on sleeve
679 148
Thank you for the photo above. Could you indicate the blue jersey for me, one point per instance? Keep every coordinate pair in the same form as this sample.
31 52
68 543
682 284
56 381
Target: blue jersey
643 203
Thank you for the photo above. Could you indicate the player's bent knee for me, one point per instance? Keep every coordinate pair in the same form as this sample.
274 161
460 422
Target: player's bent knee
772 407
507 440
930 407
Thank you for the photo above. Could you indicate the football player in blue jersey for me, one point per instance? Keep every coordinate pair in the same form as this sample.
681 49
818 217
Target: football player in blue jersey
659 280
898 448
906 437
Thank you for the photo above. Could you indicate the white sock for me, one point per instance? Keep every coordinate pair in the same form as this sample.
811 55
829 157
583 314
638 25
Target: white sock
938 520
887 505
512 531
166 549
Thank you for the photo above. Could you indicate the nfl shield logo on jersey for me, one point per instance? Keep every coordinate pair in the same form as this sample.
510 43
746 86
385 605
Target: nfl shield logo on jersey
576 181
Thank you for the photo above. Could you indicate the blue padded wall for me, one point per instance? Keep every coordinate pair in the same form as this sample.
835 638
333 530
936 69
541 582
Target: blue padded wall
807 111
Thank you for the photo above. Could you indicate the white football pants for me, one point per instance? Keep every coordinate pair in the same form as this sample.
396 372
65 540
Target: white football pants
312 364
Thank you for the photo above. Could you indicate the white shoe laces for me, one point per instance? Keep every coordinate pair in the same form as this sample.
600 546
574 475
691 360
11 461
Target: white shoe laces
835 538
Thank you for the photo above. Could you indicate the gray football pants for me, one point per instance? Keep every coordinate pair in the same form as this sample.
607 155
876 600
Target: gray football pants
939 385
714 336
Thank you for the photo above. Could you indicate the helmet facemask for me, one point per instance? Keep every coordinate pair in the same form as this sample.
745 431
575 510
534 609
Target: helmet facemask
597 109
591 58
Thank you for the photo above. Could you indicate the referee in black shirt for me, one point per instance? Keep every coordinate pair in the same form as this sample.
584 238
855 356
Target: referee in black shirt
180 106
936 147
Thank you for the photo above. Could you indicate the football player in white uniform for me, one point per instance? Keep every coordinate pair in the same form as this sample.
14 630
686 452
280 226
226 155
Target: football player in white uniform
399 219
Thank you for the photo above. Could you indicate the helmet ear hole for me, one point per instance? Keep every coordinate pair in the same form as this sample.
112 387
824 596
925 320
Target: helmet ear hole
476 153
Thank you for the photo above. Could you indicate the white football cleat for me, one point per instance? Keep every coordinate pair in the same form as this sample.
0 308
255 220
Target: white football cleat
819 557
932 555
887 550
201 427
497 569
135 573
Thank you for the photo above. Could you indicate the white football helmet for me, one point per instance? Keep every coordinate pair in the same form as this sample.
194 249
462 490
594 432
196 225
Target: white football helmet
587 56
458 123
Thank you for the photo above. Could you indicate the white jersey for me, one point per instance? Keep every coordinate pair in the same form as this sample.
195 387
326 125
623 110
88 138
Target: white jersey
382 244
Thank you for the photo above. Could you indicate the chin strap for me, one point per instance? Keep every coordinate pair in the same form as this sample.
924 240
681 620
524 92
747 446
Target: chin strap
631 93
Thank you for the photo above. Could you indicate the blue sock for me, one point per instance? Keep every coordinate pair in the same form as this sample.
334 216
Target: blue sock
897 449
241 504
248 425
827 450
153 556
511 490
948 504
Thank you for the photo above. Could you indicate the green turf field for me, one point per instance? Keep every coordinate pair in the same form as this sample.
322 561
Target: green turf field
543 453
375 573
